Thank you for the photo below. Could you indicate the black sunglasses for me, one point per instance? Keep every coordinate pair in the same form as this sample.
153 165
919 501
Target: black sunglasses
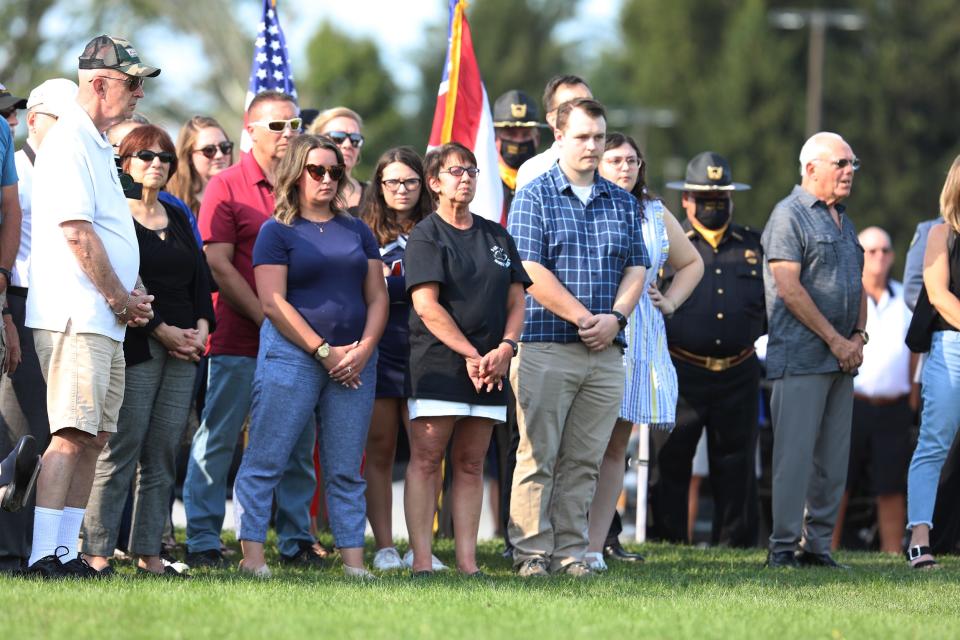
133 82
147 156
339 137
317 171
210 151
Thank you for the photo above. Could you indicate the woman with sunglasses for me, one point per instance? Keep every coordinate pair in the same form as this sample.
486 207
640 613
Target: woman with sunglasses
161 367
343 125
466 282
394 203
320 282
650 394
203 151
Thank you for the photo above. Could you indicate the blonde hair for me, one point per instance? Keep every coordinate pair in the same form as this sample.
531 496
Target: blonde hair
327 115
950 196
186 185
289 170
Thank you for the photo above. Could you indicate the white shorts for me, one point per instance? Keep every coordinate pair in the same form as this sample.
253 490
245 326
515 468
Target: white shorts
431 408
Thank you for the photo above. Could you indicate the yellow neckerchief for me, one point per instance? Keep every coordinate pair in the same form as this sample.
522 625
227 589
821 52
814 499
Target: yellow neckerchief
712 236
508 175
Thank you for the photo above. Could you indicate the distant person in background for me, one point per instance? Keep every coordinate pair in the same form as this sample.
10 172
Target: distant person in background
9 105
344 126
516 129
817 313
203 151
395 202
880 439
23 393
940 418
650 392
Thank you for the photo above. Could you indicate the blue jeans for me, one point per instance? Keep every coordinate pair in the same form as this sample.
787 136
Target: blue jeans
938 425
229 383
291 388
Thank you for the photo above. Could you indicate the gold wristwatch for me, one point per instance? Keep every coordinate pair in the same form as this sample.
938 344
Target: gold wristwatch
322 351
863 334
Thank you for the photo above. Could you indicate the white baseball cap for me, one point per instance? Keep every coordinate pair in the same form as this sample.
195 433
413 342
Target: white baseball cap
53 95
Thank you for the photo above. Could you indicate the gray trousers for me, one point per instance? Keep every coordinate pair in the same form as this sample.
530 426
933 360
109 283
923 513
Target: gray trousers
812 416
156 401
23 411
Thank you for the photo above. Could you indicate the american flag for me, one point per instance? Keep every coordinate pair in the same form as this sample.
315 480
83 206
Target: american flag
270 70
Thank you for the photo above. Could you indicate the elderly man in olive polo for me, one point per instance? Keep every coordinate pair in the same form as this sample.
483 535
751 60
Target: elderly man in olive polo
817 310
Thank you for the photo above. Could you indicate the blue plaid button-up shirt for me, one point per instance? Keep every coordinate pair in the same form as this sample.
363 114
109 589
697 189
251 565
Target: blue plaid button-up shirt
586 246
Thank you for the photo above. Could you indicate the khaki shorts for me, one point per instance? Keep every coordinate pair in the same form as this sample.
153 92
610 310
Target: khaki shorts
84 373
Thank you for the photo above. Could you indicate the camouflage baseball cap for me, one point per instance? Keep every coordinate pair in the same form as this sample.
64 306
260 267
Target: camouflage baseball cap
105 52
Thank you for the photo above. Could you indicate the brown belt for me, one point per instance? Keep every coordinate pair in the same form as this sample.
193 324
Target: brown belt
711 364
880 401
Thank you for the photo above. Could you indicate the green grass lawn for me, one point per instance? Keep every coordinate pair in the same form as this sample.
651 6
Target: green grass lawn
680 592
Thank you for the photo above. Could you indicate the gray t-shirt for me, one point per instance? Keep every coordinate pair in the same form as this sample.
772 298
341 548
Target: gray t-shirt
802 230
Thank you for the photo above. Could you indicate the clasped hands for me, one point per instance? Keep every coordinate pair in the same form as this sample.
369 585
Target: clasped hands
346 363
848 352
137 311
487 372
598 331
183 344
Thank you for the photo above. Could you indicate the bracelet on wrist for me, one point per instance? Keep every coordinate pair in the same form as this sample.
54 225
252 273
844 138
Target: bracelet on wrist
512 344
123 311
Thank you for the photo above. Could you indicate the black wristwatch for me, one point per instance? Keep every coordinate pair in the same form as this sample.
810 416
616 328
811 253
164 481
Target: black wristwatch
621 319
513 345
6 274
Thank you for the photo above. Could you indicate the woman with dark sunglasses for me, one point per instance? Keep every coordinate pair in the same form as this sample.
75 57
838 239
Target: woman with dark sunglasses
161 367
343 125
203 151
320 282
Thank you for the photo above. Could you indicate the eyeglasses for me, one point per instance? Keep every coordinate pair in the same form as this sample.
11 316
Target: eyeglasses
339 137
883 250
616 161
49 115
458 171
317 171
393 185
133 82
277 126
147 156
843 163
210 151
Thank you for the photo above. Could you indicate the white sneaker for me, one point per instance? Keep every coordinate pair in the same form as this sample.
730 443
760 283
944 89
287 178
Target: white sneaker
358 573
434 561
262 572
387 559
595 561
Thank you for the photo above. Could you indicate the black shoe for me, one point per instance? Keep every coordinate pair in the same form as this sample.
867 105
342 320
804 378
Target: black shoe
22 466
808 559
47 567
11 565
781 560
307 556
210 559
617 552
79 568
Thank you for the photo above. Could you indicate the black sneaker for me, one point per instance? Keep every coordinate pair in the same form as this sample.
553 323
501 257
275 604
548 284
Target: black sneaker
79 568
47 567
210 559
307 556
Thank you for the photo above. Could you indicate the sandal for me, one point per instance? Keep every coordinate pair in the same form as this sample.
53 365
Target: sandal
918 551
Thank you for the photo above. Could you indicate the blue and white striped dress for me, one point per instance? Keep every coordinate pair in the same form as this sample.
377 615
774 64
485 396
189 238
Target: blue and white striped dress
650 391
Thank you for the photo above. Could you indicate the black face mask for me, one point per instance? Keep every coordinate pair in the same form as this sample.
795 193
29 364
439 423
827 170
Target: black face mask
713 213
515 154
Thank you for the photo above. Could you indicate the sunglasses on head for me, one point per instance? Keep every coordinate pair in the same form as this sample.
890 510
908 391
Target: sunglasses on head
147 156
133 82
210 151
458 171
339 137
277 126
317 171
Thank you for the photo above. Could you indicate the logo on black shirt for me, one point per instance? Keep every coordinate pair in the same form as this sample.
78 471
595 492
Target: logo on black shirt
500 256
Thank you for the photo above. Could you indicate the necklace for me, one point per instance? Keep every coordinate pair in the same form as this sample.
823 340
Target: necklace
319 225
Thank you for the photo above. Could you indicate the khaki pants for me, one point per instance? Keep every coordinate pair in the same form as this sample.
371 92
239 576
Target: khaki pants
568 398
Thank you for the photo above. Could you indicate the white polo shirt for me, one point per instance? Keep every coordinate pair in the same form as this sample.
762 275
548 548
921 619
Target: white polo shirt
885 371
25 174
537 165
75 178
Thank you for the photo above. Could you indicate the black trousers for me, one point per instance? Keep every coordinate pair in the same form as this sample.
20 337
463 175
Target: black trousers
23 410
726 403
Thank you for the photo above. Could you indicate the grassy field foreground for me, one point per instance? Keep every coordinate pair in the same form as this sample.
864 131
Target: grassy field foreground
680 592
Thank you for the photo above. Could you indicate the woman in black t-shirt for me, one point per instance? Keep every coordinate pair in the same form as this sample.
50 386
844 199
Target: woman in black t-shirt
466 283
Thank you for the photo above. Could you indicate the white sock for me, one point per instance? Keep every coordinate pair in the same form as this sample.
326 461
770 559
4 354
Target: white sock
46 528
69 534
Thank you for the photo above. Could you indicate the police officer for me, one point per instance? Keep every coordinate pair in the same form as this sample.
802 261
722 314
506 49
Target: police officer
711 339
516 125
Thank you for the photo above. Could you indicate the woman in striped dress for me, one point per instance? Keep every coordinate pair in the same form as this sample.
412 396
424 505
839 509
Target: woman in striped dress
650 392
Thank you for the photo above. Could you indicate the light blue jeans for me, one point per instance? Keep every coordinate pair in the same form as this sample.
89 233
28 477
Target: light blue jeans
229 384
291 388
938 425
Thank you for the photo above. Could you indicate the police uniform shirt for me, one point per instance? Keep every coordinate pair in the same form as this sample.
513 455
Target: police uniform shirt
725 314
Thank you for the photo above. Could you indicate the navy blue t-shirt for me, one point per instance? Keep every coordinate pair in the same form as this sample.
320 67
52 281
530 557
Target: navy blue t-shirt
326 267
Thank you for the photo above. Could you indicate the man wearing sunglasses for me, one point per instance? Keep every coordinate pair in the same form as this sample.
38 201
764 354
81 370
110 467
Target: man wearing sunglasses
83 293
9 104
23 393
817 313
237 202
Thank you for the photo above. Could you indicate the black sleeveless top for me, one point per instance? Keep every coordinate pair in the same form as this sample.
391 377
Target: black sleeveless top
953 249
